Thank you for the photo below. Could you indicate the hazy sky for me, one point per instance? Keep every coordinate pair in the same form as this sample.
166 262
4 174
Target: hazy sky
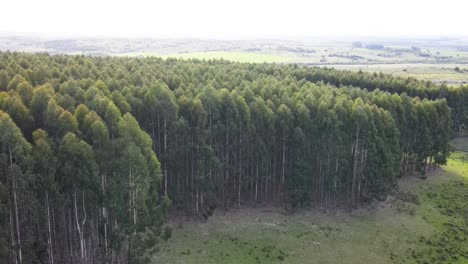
234 18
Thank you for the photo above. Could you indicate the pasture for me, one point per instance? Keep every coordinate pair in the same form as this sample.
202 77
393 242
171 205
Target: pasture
422 222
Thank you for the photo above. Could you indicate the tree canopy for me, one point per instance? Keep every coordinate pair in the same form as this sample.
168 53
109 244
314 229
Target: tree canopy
94 150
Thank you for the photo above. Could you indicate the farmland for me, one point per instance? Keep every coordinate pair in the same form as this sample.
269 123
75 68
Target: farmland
433 59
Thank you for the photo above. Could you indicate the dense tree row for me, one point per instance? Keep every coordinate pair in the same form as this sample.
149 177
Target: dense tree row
79 182
81 139
457 96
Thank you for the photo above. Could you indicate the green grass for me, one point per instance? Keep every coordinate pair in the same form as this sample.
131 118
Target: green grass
444 205
234 56
428 72
250 57
405 64
422 223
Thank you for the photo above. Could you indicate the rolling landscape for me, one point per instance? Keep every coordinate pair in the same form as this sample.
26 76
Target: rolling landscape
437 59
173 133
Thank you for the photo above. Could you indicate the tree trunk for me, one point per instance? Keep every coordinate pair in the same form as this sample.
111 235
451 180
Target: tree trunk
153 135
240 169
256 181
13 240
196 175
226 164
82 227
159 138
356 150
78 227
165 158
283 163
104 215
49 238
15 204
132 201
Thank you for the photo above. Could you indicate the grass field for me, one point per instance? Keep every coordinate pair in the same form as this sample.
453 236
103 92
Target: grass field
235 56
430 63
423 222
424 71
432 58
228 55
428 72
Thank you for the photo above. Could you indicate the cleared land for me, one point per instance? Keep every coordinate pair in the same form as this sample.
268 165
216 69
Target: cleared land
234 56
429 72
438 64
433 58
426 221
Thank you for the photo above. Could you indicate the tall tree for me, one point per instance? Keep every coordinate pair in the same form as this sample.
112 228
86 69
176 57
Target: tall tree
14 151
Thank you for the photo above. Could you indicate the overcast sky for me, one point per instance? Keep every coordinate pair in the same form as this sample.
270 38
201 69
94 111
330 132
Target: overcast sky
235 18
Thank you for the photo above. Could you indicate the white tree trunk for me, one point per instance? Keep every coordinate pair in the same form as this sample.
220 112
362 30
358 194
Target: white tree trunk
15 204
78 226
165 158
49 239
356 150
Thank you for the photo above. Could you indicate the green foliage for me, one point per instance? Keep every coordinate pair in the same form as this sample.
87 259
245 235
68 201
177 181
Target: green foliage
382 234
13 145
118 140
4 80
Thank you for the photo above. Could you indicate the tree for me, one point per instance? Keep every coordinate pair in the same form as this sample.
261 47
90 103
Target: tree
15 81
39 103
25 90
140 171
285 119
4 80
161 108
360 119
45 167
14 151
77 176
227 134
244 128
20 114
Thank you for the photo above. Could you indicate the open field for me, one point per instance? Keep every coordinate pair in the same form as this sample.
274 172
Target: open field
434 63
235 56
429 72
423 222
431 59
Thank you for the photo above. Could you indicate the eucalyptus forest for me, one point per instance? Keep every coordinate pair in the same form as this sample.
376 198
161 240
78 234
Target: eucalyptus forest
97 152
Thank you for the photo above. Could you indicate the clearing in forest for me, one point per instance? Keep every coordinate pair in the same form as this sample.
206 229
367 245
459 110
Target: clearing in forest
425 221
